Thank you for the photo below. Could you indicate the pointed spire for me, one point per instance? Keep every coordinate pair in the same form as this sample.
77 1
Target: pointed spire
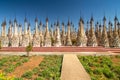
25 25
4 23
47 19
28 24
115 19
40 23
104 18
68 22
25 20
15 21
110 34
57 23
10 22
81 20
91 19
36 19
63 23
87 29
96 29
20 29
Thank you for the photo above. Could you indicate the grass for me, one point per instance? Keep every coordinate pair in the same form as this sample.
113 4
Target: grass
9 63
48 69
102 67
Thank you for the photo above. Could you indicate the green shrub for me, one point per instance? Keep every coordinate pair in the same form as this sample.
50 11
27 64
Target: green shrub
108 73
18 78
27 75
14 58
88 69
40 78
25 60
117 70
106 61
35 70
97 71
18 64
93 78
9 69
1 63
91 64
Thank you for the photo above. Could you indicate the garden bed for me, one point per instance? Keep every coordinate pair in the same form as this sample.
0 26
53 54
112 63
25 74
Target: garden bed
31 68
102 67
48 69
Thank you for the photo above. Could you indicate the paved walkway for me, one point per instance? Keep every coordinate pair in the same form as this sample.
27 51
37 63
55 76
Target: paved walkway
72 69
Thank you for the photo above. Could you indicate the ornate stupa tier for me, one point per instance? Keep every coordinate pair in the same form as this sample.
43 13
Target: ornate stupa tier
92 38
36 26
15 28
115 23
87 29
10 30
25 26
104 38
116 39
81 36
41 34
118 29
47 38
29 33
41 28
63 36
3 32
15 41
25 40
20 35
68 39
4 39
51 31
110 34
41 40
36 41
58 39
97 30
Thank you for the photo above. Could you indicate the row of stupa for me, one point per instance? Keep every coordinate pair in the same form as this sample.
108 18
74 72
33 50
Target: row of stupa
98 35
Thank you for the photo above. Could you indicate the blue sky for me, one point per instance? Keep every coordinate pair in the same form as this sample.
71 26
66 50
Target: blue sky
58 10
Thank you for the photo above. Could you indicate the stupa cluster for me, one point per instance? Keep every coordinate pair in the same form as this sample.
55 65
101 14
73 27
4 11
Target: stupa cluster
44 36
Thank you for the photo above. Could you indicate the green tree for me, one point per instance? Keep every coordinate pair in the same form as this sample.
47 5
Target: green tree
29 48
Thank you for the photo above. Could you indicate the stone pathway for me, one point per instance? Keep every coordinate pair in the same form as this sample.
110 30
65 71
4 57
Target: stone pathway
72 69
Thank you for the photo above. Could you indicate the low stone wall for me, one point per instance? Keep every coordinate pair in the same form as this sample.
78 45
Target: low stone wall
58 53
